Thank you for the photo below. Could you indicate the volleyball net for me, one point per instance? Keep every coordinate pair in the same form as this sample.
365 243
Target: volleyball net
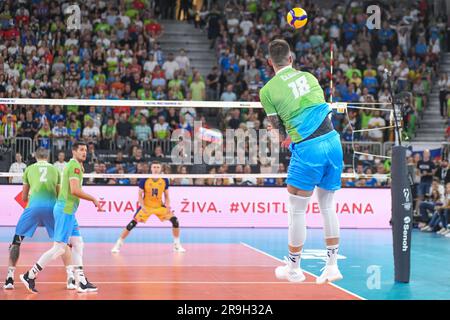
193 139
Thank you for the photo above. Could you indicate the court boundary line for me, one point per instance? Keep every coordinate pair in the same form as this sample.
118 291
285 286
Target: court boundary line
310 273
150 266
182 282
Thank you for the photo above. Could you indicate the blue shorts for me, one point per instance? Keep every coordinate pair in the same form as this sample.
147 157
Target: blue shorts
32 218
66 225
316 162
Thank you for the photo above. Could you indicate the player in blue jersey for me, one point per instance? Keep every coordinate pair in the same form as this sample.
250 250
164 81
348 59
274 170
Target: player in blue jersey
295 104
40 189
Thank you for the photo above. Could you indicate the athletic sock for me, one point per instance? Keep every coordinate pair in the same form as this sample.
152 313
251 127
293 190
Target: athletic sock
332 253
69 271
79 275
294 260
11 272
176 241
34 271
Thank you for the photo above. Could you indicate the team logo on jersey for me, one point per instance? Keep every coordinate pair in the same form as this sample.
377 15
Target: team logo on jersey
77 171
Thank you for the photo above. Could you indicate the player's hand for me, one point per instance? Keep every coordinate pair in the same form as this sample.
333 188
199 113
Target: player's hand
95 202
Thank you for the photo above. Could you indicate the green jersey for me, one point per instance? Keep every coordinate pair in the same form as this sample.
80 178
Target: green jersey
43 178
73 170
297 99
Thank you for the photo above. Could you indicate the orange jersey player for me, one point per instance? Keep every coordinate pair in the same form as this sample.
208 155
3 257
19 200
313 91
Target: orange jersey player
151 193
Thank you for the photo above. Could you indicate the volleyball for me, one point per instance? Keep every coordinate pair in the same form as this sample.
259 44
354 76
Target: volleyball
297 18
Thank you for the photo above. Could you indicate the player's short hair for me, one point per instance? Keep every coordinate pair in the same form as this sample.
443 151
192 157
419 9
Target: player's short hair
155 162
279 52
78 144
41 153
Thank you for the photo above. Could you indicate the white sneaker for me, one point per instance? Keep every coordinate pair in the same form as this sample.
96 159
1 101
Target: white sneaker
441 231
178 248
71 285
330 273
447 231
286 273
447 235
116 248
426 228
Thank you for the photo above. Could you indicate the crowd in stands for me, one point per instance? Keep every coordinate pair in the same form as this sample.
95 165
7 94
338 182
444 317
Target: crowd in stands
116 55
432 186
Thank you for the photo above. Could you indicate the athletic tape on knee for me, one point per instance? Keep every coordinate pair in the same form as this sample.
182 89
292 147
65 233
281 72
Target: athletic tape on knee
297 219
174 221
328 209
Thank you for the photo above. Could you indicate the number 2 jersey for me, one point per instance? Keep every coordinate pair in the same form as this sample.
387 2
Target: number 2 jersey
153 191
42 177
298 99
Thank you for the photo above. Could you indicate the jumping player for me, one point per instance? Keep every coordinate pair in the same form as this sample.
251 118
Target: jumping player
150 199
295 104
66 225
40 189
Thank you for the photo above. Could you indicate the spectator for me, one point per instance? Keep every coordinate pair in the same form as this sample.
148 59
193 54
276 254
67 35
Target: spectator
143 131
170 66
8 129
183 61
228 95
91 133
60 163
124 131
376 121
42 138
212 85
109 133
74 132
60 135
17 167
161 129
197 88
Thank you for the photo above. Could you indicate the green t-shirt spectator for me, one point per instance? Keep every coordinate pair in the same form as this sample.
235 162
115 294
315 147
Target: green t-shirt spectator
73 109
349 73
365 118
99 77
108 132
144 96
131 13
102 27
197 88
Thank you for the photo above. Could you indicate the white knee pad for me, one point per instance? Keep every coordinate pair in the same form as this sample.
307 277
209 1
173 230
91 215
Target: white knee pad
328 209
58 250
297 206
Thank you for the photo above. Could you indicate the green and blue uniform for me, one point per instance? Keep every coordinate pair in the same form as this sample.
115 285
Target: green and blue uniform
66 224
298 100
42 179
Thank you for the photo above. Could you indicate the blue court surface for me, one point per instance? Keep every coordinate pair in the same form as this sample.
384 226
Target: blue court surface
366 258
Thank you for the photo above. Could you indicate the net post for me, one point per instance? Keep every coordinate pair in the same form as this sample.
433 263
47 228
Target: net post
401 197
